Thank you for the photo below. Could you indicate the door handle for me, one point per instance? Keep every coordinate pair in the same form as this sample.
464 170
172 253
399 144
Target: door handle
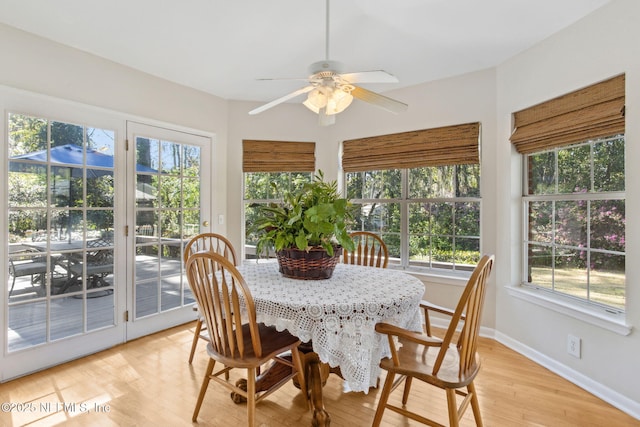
205 223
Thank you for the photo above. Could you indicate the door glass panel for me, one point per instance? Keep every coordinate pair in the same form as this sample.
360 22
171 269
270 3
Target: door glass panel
167 214
61 222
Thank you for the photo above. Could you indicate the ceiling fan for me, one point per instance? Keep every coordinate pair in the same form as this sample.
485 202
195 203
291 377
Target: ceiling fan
330 90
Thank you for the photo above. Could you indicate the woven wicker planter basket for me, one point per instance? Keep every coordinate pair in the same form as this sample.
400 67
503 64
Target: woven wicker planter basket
316 264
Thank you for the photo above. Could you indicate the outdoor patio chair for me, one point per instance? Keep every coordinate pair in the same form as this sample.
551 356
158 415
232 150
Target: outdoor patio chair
27 262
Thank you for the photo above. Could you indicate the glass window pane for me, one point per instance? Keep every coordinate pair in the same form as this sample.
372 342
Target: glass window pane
191 159
542 173
191 192
608 165
467 220
100 310
419 218
442 222
570 273
468 181
146 191
101 140
148 152
540 262
385 184
66 133
28 225
27 325
608 225
100 190
392 240
442 251
574 169
466 252
571 223
27 185
66 317
354 184
420 250
26 134
607 279
170 161
431 182
541 221
170 192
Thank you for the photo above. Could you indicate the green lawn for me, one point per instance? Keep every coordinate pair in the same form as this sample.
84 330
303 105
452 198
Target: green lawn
605 287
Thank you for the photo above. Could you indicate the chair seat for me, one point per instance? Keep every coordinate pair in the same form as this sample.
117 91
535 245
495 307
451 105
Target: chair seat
92 269
273 341
417 361
29 268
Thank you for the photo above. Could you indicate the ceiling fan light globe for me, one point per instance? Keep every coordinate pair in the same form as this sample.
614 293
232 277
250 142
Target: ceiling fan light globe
338 102
317 98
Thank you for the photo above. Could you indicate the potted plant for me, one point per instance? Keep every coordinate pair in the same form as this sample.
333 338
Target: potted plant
307 230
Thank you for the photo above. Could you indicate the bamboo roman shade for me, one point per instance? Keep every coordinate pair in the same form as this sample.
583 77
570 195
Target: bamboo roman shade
593 112
278 156
449 145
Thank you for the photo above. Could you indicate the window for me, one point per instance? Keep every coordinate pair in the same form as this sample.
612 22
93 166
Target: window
427 208
271 167
574 195
441 209
575 239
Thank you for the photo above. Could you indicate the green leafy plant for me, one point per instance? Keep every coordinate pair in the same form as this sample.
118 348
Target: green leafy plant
313 216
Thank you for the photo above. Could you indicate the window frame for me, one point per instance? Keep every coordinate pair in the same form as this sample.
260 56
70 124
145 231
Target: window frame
567 302
404 263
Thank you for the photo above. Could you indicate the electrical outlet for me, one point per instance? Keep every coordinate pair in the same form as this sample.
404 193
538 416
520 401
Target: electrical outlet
574 346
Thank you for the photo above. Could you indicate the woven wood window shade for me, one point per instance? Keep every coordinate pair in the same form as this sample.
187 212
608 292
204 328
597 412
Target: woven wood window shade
278 156
449 145
593 112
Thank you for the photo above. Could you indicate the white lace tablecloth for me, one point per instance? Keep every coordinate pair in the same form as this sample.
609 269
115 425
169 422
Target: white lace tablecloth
339 314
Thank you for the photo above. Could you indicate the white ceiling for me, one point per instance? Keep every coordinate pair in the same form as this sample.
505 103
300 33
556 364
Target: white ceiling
224 46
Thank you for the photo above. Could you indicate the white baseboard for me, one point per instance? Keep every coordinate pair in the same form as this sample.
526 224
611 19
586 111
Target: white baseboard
603 392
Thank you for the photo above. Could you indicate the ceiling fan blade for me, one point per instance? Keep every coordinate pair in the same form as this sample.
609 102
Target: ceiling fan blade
379 100
281 100
376 76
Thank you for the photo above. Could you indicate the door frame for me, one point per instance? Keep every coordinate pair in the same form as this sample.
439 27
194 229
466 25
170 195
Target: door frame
157 322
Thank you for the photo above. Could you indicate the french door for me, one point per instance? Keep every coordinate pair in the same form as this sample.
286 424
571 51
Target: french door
172 204
96 217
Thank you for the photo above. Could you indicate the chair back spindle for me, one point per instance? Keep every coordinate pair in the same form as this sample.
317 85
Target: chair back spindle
370 250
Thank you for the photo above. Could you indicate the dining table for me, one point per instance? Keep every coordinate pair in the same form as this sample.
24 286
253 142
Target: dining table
337 316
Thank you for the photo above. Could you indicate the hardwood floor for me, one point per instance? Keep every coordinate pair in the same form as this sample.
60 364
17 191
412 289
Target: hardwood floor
148 382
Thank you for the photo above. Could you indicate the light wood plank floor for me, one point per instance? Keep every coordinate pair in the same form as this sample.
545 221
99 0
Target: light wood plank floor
148 382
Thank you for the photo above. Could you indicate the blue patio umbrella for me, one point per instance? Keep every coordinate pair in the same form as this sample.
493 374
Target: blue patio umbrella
72 156
75 158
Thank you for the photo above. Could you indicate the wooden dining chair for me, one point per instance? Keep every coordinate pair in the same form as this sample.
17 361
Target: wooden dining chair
370 250
207 242
443 363
237 340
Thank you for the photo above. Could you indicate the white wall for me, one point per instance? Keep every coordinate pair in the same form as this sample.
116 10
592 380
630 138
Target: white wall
600 46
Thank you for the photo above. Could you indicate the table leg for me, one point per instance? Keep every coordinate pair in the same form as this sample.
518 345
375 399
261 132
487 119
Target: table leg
316 374
313 375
